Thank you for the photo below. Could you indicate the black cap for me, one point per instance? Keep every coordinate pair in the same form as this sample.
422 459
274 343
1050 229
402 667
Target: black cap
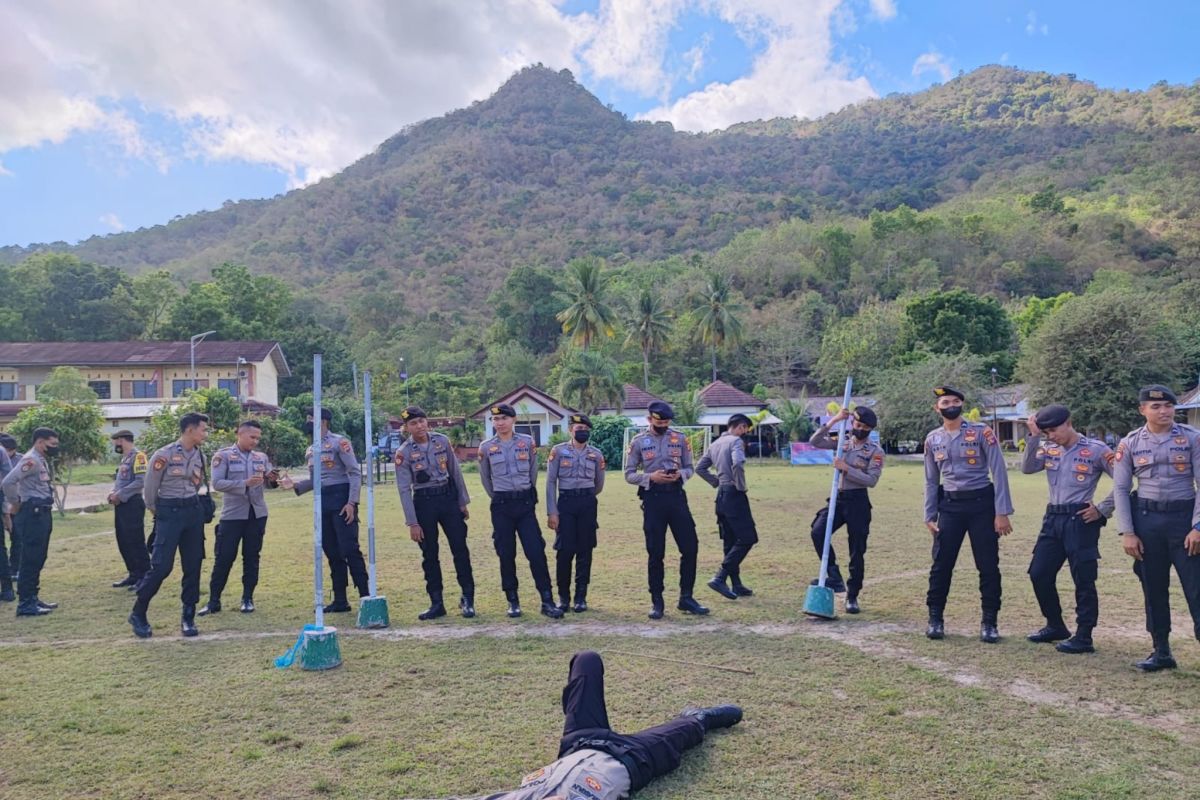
740 419
949 391
660 410
503 410
1052 416
123 434
581 419
866 416
1156 392
413 412
326 414
7 442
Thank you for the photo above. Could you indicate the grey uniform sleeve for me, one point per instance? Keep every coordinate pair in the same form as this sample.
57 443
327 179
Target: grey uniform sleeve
221 481
1105 459
552 483
404 484
1196 477
686 468
870 476
1122 475
999 474
154 476
737 464
304 485
138 467
932 481
485 472
353 470
601 466
704 467
1031 462
455 471
633 460
9 484
822 440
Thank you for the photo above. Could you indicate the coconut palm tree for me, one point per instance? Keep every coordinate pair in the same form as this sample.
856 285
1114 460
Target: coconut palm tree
649 327
588 380
718 325
587 314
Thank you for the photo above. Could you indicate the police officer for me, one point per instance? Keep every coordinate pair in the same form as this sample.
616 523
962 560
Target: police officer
28 491
734 521
172 493
129 510
341 482
960 500
9 557
664 457
574 478
508 470
432 493
1160 522
1071 528
242 474
860 466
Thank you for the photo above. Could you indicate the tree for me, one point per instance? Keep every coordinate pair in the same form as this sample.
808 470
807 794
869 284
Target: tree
904 394
649 328
588 314
508 366
1036 311
946 322
864 345
64 299
79 437
525 309
348 416
785 339
444 395
68 385
688 408
223 410
608 434
718 325
154 294
587 379
1095 352
284 445
795 425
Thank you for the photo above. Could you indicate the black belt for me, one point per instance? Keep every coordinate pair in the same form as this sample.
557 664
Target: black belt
729 488
973 494
178 502
576 492
665 488
38 502
1165 505
855 492
1066 508
524 494
433 491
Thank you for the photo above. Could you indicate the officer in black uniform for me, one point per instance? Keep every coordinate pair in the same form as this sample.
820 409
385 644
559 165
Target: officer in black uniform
29 493
664 457
10 558
129 510
574 477
735 523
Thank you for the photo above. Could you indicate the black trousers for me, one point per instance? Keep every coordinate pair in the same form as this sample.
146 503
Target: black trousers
129 519
10 560
180 527
853 509
513 519
660 510
1065 537
736 526
574 541
32 526
1162 534
443 510
230 534
647 755
958 519
339 540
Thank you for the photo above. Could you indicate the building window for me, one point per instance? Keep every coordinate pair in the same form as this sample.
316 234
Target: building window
103 389
178 387
138 390
8 391
230 385
533 429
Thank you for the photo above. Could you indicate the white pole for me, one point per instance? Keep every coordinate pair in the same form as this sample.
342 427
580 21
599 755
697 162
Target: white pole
370 484
318 572
833 490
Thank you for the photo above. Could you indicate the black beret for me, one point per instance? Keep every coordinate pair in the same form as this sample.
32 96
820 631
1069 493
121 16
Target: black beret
1052 416
866 416
660 410
123 434
413 412
7 442
581 419
949 391
1154 392
503 410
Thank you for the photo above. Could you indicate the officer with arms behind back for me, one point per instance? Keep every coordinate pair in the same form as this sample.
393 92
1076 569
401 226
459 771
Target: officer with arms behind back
1160 522
574 477
129 510
960 500
664 457
735 523
1071 528
432 493
28 491
9 558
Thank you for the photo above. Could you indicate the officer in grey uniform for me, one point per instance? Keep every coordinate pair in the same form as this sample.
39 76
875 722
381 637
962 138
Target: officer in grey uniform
574 478
664 457
10 556
1073 464
433 492
961 500
508 470
1160 522
861 466
597 763
735 523
341 483
28 491
242 474
129 510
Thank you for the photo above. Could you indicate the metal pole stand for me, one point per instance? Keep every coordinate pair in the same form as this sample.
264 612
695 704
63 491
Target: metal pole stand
319 646
818 600
372 610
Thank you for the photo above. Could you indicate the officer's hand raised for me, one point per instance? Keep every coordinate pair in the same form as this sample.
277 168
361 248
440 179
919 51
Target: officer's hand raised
1132 545
416 534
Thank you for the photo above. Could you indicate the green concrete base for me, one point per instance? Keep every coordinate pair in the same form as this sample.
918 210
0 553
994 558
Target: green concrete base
320 649
818 602
373 612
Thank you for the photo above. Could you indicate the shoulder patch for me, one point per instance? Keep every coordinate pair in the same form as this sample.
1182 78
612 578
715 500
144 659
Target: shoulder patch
399 457
26 465
216 460
989 435
139 463
160 464
877 459
1110 457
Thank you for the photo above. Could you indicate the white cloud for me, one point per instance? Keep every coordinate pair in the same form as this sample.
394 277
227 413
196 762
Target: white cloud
694 59
1004 58
883 9
113 221
1032 28
933 61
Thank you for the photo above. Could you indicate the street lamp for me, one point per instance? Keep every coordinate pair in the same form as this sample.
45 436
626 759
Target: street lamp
239 374
199 337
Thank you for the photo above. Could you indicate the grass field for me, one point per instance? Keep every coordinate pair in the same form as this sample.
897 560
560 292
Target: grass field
862 707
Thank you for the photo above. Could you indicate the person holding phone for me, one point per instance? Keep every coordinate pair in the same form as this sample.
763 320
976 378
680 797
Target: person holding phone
242 474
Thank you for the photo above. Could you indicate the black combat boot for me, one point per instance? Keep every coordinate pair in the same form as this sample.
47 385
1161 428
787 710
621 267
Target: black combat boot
988 632
137 618
338 606
514 604
852 604
1161 658
44 604
739 588
1052 632
580 601
30 608
688 605
549 609
213 606
717 584
247 606
436 608
715 716
1081 642
656 606
564 602
936 629
466 606
187 621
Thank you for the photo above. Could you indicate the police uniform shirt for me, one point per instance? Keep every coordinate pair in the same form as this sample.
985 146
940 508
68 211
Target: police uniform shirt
175 474
508 466
728 455
864 458
582 775
29 479
131 475
1072 472
231 468
434 458
6 464
963 460
1166 466
338 466
652 452
571 467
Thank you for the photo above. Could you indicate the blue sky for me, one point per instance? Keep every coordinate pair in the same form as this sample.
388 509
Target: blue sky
115 121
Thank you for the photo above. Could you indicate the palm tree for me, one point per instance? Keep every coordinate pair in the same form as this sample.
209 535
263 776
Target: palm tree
588 314
649 327
588 380
794 423
718 325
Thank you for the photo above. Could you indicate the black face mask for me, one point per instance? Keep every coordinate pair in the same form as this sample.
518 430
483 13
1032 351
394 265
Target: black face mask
51 452
953 412
119 449
308 428
582 436
660 429
860 433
